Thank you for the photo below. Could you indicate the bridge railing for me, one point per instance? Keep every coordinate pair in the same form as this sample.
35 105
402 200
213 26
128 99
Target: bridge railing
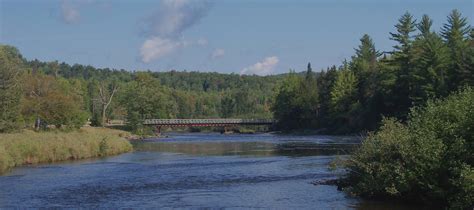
206 121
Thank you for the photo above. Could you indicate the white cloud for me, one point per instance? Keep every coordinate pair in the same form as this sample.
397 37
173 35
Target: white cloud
69 12
217 53
166 25
264 67
157 47
175 16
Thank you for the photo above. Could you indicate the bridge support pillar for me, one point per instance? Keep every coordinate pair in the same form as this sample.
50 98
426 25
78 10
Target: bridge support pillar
158 130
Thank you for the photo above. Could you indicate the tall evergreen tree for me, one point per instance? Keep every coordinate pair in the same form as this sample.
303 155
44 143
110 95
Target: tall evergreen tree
456 34
308 95
470 78
425 25
364 66
430 62
403 62
309 71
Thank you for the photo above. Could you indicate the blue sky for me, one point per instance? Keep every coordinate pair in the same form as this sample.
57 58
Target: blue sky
241 36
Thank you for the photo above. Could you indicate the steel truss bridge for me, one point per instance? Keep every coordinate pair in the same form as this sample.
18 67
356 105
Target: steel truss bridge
158 123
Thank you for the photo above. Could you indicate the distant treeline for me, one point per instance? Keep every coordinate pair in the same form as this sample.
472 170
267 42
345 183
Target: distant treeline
40 94
423 65
353 97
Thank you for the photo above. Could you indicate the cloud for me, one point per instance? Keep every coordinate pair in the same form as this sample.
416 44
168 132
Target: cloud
175 16
157 47
166 25
217 53
69 12
264 67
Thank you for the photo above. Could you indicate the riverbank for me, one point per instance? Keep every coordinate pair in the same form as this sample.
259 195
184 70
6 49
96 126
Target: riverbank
29 147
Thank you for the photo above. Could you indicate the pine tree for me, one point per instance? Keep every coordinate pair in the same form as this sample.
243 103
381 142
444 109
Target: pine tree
325 81
308 95
364 65
470 77
456 35
403 62
425 25
431 60
309 71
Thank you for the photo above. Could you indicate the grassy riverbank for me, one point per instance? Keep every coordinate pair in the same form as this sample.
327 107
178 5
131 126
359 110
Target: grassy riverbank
29 147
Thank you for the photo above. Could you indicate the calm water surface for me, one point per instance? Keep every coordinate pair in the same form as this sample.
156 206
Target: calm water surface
193 171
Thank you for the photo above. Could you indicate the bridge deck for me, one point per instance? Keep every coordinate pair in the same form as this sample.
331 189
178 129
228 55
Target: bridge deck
197 122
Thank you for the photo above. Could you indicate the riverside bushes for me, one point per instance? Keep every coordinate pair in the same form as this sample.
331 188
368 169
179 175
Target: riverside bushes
30 147
430 159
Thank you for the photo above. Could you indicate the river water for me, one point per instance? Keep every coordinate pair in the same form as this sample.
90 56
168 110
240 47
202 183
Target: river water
194 171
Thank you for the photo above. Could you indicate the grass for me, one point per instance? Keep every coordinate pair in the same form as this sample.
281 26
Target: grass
29 147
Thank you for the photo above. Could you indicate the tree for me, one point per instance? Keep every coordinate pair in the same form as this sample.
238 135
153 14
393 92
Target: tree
309 72
11 65
425 26
456 34
364 64
344 100
308 95
403 62
286 109
227 106
431 59
106 95
325 81
49 100
427 160
145 98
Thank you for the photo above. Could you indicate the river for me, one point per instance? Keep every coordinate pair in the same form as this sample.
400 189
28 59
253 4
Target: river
194 170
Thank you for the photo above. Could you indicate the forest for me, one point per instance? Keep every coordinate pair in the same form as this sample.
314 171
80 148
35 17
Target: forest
349 98
353 97
38 94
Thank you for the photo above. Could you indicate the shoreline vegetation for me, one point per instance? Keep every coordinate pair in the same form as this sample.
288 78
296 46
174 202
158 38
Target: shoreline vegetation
29 147
426 160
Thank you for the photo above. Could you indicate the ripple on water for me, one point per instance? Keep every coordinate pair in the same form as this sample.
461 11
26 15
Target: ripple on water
191 171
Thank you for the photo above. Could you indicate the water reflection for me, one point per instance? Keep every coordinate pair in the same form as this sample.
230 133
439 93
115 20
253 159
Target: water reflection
247 148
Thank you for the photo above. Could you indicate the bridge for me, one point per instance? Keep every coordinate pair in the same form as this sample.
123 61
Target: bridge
159 123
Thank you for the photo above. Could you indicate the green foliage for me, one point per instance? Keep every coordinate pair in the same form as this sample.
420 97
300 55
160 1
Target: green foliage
457 34
285 108
344 101
11 65
296 103
430 75
145 98
355 96
402 61
430 159
53 101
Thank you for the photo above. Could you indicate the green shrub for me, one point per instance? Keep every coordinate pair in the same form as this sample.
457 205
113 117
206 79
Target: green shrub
430 159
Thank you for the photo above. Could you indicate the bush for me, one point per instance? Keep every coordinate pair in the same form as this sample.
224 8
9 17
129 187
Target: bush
430 159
